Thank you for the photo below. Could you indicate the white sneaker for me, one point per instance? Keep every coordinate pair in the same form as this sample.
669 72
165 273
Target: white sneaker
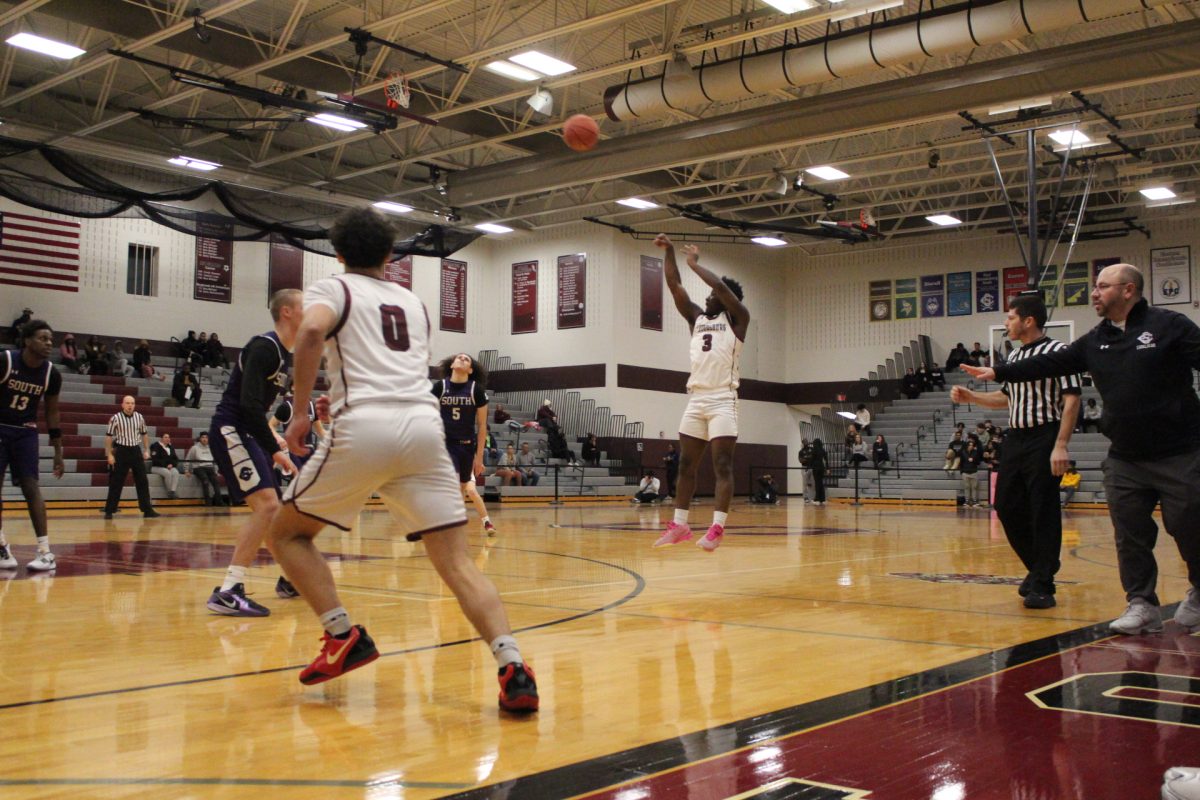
1181 783
6 558
1187 615
43 563
1139 617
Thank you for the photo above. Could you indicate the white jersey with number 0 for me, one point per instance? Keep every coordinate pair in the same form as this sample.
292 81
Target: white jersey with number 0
378 352
715 352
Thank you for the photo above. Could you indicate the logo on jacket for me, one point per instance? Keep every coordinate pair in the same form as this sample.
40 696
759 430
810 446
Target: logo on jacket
1147 341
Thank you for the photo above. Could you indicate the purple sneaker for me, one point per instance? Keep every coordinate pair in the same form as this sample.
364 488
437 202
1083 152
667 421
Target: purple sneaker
674 534
234 603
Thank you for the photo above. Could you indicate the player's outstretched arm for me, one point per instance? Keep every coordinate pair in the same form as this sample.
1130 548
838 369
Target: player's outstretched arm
683 303
319 319
737 312
983 373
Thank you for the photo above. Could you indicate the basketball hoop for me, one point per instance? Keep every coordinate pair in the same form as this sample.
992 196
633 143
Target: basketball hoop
397 91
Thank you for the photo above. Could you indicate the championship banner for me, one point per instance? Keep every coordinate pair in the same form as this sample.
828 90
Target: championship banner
1076 288
1099 264
453 311
399 271
572 291
214 261
906 298
987 291
880 301
933 295
1170 276
958 294
1016 280
285 266
1048 284
524 297
652 293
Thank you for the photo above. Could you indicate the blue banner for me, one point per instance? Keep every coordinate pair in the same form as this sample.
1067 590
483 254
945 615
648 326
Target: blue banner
933 295
958 294
987 291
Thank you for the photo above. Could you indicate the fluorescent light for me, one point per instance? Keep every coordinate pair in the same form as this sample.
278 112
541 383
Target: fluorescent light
847 414
637 202
944 219
870 9
193 163
1021 105
395 208
790 6
44 46
827 173
511 70
492 227
1156 193
1178 200
337 123
1072 137
547 65
769 241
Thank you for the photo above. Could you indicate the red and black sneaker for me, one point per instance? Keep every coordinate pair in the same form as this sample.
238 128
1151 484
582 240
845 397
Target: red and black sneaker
339 656
518 689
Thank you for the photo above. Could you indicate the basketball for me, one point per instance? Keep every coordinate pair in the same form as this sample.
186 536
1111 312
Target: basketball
581 132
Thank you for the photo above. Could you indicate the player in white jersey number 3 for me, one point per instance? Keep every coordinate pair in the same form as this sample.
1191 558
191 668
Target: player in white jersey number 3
386 437
718 331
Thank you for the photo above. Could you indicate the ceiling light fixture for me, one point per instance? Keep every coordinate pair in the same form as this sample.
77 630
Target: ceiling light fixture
1071 137
790 6
541 101
780 183
194 163
769 241
492 227
873 8
540 62
47 47
1177 200
395 208
827 173
511 70
1157 193
637 202
944 219
336 122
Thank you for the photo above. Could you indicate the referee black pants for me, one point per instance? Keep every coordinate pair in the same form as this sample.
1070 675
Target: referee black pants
127 458
1027 503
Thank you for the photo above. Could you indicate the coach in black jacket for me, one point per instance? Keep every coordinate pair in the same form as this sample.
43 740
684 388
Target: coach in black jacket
1141 359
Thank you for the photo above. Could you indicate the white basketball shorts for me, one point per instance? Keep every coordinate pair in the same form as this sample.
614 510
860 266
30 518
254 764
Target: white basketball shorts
710 416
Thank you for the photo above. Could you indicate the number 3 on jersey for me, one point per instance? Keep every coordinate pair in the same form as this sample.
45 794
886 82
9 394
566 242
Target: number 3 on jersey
707 342
395 327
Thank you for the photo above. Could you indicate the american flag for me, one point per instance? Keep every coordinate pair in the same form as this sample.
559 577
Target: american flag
39 252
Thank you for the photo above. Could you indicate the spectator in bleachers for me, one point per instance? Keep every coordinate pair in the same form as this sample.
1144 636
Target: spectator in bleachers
879 452
99 364
671 465
958 355
858 450
767 492
491 453
165 463
215 354
982 434
954 453
1069 484
937 378
591 450
923 377
14 332
647 491
500 416
972 457
979 356
91 351
1090 417
70 354
187 349
200 463
143 362
910 385
862 418
545 415
186 389
527 464
118 361
508 471
851 435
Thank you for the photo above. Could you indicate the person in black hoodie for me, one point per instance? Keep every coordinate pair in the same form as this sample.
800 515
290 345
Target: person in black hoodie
1141 359
819 465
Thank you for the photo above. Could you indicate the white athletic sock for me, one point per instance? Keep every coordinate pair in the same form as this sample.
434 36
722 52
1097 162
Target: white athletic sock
719 518
485 519
681 515
43 544
336 622
3 539
505 649
233 576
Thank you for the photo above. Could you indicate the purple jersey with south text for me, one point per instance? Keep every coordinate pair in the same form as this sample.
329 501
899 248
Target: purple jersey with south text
22 388
459 402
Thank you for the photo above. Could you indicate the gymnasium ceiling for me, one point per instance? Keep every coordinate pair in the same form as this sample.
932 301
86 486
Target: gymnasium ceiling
492 158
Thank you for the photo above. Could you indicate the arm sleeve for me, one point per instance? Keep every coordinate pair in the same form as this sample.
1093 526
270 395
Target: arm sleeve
1066 361
281 413
436 388
481 398
55 383
259 361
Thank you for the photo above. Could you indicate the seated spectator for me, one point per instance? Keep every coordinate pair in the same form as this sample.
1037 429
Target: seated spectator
508 471
648 489
591 450
1090 417
98 363
165 463
851 435
767 491
982 434
142 362
1069 484
979 356
69 354
14 332
215 354
923 377
91 351
545 414
200 463
862 418
991 454
187 349
186 389
527 464
910 385
118 361
491 453
954 453
937 378
879 452
958 355
858 450
500 416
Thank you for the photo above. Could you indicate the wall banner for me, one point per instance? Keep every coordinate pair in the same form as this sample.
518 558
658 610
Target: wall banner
880 301
1170 276
214 261
933 295
1016 280
652 293
453 296
524 297
1076 288
987 291
399 271
906 298
572 291
958 294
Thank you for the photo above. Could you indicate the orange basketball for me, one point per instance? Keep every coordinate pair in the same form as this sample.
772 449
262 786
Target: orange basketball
581 132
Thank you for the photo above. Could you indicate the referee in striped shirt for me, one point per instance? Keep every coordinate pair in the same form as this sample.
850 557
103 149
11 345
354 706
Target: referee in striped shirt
1041 417
127 447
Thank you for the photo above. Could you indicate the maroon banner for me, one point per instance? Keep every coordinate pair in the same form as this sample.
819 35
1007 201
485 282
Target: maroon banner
399 271
572 291
1016 280
652 293
524 297
453 316
285 267
214 262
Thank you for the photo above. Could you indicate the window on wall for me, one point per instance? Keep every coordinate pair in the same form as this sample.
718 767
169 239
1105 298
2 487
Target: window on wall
142 275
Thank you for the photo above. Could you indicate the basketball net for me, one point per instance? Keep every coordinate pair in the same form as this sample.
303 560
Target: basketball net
397 91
